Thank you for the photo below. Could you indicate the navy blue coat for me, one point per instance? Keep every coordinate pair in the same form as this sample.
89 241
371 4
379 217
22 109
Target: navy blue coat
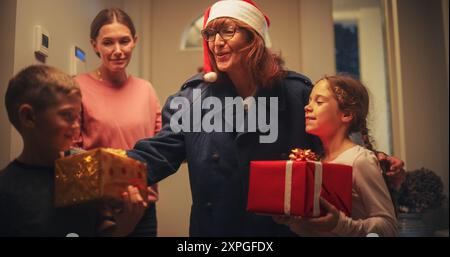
218 162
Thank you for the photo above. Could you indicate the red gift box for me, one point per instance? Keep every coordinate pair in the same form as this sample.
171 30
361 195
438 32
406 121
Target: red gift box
288 187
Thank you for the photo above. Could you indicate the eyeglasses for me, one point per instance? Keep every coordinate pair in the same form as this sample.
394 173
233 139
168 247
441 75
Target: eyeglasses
226 33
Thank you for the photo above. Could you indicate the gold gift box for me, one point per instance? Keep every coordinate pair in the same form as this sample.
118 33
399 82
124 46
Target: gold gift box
101 174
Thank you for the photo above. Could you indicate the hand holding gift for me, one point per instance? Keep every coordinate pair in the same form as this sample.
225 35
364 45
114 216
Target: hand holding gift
301 224
122 221
100 175
115 185
294 187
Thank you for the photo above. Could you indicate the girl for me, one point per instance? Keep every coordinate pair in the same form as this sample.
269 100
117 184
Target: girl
338 105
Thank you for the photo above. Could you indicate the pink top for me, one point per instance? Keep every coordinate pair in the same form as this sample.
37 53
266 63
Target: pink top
117 117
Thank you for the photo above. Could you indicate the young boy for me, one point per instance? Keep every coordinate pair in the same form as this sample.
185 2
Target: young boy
44 105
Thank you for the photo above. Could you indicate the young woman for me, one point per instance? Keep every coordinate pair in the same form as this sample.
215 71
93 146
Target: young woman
118 108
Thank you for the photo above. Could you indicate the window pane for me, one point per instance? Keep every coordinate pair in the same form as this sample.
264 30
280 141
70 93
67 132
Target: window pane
360 51
346 43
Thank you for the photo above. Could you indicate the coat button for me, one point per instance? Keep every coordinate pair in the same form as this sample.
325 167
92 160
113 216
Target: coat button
208 204
283 156
216 157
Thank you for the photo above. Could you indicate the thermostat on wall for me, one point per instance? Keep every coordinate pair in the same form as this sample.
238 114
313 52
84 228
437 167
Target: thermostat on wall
42 40
77 61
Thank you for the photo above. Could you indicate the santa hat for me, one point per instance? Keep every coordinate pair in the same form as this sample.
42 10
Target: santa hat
243 10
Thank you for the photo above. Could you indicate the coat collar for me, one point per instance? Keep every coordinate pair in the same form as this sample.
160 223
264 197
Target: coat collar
225 88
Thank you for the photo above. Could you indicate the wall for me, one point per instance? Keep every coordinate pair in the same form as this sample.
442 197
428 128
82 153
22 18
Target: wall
419 84
373 74
67 26
284 33
169 68
7 30
317 38
445 21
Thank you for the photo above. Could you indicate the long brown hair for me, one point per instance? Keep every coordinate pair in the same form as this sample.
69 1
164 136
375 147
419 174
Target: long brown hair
266 69
353 98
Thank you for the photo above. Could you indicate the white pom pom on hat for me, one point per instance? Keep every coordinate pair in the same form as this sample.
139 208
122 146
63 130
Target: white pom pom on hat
243 10
210 77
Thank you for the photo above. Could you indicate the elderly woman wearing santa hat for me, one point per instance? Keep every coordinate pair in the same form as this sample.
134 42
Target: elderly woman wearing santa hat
238 65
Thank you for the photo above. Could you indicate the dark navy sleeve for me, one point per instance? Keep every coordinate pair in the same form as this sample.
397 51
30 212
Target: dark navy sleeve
4 217
164 152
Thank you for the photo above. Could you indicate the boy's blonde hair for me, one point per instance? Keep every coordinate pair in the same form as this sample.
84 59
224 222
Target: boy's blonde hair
37 85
